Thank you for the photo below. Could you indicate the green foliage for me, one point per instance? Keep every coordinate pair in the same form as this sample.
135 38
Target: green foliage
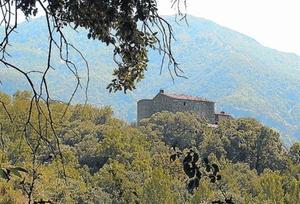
293 191
107 160
241 140
9 195
8 172
270 188
161 188
294 153
181 130
248 140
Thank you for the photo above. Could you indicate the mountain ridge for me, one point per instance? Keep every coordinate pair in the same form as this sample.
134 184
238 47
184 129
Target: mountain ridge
243 76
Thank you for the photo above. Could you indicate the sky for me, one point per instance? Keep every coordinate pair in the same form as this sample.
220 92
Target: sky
273 23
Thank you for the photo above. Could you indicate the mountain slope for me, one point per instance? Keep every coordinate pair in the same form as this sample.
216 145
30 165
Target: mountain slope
242 76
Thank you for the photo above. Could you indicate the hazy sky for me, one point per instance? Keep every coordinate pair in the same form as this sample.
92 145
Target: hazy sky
274 23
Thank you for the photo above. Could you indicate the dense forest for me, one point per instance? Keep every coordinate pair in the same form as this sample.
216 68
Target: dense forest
86 155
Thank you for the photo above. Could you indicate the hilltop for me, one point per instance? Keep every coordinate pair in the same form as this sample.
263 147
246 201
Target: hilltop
241 75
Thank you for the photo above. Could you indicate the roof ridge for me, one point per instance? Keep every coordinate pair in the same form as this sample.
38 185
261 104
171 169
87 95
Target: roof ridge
186 97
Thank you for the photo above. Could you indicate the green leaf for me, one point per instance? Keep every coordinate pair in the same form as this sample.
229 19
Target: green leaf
20 169
4 174
15 172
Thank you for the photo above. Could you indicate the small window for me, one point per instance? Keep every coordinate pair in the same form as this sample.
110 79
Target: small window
184 103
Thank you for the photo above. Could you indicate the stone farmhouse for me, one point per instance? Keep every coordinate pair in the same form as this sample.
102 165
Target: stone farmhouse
179 103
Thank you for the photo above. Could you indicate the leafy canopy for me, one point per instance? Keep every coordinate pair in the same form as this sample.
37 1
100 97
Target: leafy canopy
107 160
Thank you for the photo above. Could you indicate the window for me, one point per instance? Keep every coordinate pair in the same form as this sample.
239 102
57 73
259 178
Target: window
184 103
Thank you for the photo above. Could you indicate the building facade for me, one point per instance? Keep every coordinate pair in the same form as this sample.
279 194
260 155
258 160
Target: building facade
219 117
177 103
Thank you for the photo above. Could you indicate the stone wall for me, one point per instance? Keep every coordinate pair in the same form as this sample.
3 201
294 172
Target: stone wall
203 109
221 117
144 109
161 102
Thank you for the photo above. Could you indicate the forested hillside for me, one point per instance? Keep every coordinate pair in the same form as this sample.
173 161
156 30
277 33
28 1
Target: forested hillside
107 160
242 76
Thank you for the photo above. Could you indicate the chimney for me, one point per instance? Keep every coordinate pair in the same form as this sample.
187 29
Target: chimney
161 91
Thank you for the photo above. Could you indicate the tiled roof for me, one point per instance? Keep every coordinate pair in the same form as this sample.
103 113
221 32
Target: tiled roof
186 97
